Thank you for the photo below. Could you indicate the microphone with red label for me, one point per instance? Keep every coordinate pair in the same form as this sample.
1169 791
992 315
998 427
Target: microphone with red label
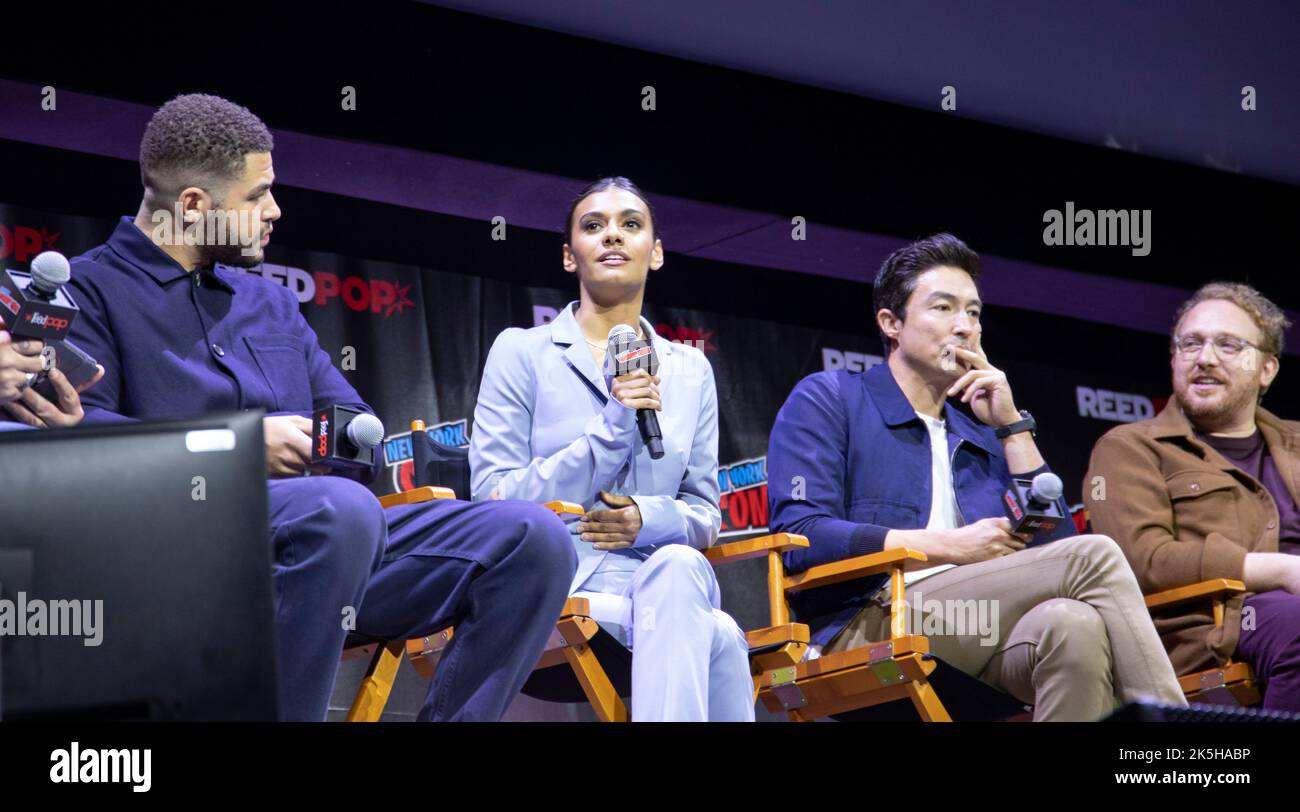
35 305
345 438
1032 506
626 354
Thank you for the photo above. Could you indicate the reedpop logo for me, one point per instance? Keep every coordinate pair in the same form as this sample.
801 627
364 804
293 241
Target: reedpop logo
320 287
1119 407
846 359
23 242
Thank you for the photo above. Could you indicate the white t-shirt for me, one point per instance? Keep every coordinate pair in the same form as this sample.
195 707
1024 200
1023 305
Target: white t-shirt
943 507
943 501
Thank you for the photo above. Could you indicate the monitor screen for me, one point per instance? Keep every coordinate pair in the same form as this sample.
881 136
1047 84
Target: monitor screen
135 572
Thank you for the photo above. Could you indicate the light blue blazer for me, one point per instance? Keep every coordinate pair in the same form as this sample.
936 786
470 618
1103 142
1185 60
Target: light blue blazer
545 428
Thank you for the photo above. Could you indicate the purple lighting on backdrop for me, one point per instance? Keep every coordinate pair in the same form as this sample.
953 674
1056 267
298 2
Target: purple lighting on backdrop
481 191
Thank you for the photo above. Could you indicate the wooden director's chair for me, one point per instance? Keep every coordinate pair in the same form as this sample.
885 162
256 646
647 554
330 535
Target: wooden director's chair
1229 684
581 661
385 655
867 683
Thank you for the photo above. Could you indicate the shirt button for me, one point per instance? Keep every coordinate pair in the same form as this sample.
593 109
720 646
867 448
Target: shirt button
1271 525
1196 486
217 349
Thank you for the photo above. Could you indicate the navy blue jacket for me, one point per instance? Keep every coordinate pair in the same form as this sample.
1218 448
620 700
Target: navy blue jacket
851 445
175 344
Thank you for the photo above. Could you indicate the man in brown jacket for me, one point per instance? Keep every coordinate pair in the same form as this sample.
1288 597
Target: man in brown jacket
1208 489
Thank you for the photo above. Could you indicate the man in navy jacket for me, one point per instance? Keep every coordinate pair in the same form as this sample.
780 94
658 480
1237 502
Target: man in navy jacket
918 452
181 333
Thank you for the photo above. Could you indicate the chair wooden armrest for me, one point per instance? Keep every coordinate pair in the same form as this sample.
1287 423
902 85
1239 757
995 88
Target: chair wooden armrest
563 509
851 569
1213 588
779 646
576 607
753 548
773 636
416 496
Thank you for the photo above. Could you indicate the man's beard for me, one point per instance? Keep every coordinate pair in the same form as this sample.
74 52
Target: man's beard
231 255
1212 414
230 245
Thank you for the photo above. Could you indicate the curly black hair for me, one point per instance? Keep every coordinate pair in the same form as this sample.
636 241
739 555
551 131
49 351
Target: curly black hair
196 140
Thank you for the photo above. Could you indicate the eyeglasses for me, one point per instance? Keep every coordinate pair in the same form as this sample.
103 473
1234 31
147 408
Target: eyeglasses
1225 346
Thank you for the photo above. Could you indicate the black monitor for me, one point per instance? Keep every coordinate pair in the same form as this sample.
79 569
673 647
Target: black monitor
166 524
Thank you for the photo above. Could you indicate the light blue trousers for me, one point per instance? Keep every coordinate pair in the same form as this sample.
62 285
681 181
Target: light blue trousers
690 661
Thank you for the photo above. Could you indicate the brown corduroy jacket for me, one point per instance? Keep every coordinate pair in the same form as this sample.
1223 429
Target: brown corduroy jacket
1183 513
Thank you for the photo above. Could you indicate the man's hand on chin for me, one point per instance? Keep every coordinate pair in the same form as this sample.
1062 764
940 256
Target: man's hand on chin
985 388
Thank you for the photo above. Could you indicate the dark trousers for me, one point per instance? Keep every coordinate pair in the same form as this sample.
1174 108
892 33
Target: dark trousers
1270 642
498 571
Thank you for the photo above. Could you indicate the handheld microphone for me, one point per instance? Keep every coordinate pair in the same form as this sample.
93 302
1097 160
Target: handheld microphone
1031 506
627 353
35 305
345 438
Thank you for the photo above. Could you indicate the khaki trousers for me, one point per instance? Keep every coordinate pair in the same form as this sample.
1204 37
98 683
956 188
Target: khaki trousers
1062 627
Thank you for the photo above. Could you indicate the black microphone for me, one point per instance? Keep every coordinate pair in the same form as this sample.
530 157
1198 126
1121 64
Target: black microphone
626 354
35 305
345 438
1031 506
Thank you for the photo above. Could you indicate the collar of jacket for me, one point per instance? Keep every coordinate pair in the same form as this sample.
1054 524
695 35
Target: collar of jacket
566 332
134 246
897 410
1172 423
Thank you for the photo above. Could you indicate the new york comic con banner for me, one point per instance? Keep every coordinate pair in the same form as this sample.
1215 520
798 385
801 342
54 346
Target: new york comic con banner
413 341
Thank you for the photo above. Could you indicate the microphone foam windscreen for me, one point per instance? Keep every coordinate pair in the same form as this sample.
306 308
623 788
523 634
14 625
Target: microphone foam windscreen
618 330
366 431
50 270
1048 486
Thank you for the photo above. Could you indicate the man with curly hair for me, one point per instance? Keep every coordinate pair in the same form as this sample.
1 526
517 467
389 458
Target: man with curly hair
180 334
1210 488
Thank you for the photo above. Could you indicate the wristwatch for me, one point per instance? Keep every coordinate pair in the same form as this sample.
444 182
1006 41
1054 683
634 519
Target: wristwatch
1025 423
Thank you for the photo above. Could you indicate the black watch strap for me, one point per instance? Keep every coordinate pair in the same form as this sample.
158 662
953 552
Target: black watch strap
1025 423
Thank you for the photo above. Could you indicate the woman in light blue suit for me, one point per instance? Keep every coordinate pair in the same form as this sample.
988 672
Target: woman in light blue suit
550 425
